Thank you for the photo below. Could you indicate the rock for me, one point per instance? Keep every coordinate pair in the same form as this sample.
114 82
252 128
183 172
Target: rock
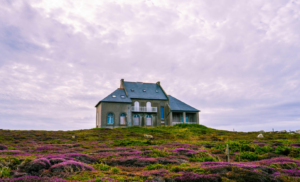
261 131
260 136
158 179
282 131
182 161
297 131
148 136
73 137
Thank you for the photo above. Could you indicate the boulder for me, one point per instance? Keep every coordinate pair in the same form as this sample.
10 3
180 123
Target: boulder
297 131
260 136
148 136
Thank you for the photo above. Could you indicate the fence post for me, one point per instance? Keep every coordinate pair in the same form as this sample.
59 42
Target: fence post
227 153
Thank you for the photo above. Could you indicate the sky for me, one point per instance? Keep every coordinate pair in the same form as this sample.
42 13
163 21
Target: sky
236 61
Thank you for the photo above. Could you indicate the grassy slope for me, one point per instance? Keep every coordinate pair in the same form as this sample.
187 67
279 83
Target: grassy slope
89 141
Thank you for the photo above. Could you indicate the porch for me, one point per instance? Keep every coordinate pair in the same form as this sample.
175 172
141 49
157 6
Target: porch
184 117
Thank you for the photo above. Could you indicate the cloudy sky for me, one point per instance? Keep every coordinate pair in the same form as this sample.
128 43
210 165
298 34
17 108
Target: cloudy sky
237 61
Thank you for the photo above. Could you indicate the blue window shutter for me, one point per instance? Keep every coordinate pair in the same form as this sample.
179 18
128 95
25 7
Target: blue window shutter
161 112
181 118
186 119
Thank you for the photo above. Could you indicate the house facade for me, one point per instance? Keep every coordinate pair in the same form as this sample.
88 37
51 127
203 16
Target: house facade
142 104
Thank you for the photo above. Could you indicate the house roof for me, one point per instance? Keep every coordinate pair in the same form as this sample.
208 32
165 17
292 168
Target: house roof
177 105
116 97
140 90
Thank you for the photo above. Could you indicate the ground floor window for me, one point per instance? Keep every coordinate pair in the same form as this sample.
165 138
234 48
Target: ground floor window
136 120
148 120
122 119
110 118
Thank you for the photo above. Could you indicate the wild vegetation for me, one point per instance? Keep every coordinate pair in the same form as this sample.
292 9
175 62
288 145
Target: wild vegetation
177 153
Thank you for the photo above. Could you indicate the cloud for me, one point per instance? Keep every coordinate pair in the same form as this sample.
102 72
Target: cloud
236 61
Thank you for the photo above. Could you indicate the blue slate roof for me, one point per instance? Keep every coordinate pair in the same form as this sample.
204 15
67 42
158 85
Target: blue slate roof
118 93
153 91
177 105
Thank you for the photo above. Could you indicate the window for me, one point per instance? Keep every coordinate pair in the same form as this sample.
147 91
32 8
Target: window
97 121
186 118
123 96
110 118
148 120
156 91
136 120
122 119
132 90
181 118
136 106
113 95
161 112
148 106
144 90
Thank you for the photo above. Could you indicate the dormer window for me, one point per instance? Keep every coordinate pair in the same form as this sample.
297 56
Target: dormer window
156 91
123 96
132 90
113 95
144 90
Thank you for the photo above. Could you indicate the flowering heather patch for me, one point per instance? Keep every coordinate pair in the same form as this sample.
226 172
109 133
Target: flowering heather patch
70 166
82 157
37 165
295 144
46 149
57 160
194 177
145 161
3 147
289 172
280 160
160 173
11 152
33 179
128 153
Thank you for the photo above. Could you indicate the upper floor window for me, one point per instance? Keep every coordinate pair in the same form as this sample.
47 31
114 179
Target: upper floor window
110 118
148 106
136 105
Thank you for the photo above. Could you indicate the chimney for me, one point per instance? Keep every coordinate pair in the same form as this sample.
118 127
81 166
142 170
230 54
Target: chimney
158 83
122 83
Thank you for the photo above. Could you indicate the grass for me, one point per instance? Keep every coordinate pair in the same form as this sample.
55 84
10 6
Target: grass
123 154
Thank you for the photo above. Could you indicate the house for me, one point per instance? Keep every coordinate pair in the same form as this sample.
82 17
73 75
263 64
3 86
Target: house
142 104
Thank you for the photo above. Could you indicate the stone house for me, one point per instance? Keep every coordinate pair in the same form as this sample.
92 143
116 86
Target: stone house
142 104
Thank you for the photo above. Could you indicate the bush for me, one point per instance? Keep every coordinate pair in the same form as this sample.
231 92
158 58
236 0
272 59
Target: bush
155 166
5 172
284 150
115 170
247 155
37 165
102 167
70 166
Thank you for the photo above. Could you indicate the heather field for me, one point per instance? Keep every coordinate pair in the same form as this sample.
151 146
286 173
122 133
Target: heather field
179 153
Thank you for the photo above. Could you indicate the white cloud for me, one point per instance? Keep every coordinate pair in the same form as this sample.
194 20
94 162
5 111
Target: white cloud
236 61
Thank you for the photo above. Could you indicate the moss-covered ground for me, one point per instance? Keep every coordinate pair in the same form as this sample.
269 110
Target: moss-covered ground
176 153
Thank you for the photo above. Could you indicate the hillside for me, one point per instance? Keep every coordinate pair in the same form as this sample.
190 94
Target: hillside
176 153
